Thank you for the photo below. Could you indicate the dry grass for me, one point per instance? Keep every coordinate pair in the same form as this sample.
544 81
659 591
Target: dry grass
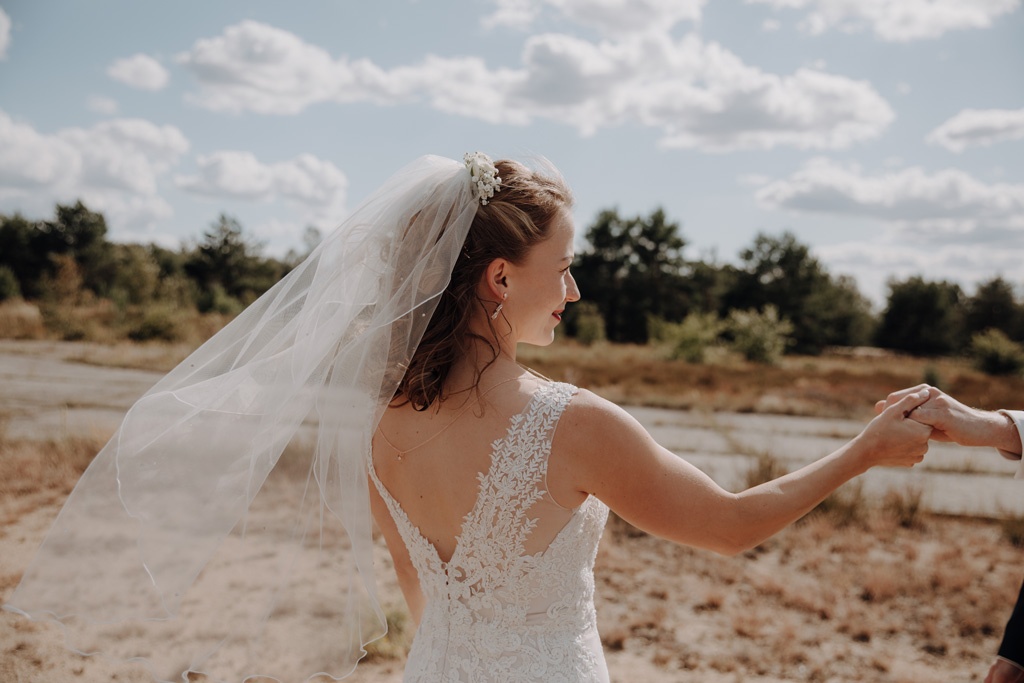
820 602
831 385
878 601
858 591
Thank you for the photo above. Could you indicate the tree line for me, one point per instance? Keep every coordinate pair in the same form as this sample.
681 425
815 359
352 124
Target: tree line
635 273
638 285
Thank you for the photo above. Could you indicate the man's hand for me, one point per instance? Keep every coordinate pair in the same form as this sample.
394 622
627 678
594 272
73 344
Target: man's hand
1004 671
951 420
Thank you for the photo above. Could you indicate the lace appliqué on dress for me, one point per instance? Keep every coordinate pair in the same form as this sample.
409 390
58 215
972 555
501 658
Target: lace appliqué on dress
494 613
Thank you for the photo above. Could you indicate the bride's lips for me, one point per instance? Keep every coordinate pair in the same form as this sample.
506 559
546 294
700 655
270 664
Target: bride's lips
558 314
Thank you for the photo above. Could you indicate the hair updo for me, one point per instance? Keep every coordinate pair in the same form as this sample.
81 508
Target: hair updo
518 216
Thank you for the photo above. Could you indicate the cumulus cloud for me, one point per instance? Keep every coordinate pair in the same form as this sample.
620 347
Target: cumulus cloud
139 71
112 166
901 21
979 127
611 17
315 185
102 105
29 160
904 222
5 33
950 205
894 255
698 94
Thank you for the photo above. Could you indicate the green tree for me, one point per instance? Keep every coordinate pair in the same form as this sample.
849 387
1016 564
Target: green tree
921 317
81 234
227 262
994 306
781 272
22 253
633 268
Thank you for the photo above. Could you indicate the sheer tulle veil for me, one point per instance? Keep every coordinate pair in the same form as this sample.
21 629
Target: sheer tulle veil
225 528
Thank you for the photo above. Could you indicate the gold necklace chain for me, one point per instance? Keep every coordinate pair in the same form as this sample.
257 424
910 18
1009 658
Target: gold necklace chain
404 451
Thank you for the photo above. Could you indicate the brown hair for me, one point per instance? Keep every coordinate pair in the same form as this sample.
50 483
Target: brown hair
515 219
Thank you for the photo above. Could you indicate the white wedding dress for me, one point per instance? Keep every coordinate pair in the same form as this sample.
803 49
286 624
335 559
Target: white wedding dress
496 613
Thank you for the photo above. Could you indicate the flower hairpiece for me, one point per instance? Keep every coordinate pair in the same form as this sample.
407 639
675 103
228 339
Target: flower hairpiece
483 175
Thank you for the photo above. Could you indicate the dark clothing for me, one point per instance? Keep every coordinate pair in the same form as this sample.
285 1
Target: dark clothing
1013 640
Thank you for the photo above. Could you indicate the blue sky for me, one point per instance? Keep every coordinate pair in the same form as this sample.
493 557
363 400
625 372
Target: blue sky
886 135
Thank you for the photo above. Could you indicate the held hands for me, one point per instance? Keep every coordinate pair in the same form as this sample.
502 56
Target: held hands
1004 672
892 438
951 420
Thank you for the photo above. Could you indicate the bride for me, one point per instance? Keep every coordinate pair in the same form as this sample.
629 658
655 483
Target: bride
395 344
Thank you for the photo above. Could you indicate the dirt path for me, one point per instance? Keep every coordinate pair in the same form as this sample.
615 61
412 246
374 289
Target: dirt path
46 392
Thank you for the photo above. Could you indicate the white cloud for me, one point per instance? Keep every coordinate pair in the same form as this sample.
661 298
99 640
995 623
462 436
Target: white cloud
900 21
513 13
948 205
29 160
139 71
699 94
256 67
979 127
315 185
5 33
113 166
102 105
900 256
611 17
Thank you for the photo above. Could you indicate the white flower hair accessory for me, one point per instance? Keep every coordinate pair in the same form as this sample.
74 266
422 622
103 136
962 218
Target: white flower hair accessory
482 174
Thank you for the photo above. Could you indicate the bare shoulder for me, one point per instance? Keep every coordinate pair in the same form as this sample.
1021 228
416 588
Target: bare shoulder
590 419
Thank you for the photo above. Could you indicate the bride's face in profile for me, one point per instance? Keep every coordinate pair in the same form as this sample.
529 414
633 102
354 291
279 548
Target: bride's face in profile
542 285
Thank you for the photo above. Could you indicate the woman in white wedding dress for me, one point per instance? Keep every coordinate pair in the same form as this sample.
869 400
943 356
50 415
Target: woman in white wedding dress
195 543
492 485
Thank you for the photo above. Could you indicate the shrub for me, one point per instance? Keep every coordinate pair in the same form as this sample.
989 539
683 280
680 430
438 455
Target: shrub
9 287
20 320
1013 530
589 323
765 467
996 354
691 339
845 506
761 337
905 507
931 376
158 322
217 300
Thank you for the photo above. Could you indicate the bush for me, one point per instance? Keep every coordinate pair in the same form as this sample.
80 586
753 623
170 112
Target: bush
589 323
761 337
996 354
9 287
695 335
158 322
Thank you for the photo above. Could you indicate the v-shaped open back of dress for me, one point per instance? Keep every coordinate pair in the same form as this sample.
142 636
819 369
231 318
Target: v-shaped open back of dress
515 601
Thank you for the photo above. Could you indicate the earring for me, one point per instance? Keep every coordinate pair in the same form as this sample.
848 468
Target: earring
501 305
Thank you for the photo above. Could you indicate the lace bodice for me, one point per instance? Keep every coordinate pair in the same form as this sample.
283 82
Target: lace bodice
494 613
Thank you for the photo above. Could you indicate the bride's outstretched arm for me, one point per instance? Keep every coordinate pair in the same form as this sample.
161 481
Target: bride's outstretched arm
609 454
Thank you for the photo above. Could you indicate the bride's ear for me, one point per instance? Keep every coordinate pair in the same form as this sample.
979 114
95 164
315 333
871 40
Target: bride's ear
496 279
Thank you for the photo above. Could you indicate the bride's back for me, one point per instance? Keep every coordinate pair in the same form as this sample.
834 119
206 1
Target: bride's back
432 461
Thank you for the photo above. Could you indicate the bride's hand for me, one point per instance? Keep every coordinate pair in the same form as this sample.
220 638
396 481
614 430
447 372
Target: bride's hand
1003 671
893 439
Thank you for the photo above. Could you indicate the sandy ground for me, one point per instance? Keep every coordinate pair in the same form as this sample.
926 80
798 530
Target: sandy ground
784 612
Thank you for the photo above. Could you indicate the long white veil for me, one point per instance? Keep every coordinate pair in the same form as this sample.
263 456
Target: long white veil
225 528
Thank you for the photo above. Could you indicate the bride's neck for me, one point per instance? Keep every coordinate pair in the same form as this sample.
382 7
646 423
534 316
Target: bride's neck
479 364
